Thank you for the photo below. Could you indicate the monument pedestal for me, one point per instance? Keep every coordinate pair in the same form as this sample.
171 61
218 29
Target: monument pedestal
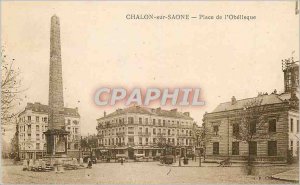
57 146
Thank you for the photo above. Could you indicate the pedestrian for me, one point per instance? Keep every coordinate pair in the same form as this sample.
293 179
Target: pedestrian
90 164
122 161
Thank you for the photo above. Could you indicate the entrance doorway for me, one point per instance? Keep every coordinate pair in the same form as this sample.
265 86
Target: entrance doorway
130 153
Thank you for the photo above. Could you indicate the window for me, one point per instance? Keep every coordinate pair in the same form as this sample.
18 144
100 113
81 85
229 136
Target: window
272 148
297 126
146 121
37 146
154 131
253 148
235 129
153 121
130 120
272 125
37 127
297 148
29 118
45 119
147 140
216 130
169 132
130 130
130 139
292 124
37 136
292 145
154 140
216 148
253 127
159 122
140 140
140 121
235 148
37 119
164 123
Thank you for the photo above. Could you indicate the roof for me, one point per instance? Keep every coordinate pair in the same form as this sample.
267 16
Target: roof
150 111
239 104
41 108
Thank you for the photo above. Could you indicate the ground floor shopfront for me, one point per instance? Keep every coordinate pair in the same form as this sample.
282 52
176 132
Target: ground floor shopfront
146 151
39 154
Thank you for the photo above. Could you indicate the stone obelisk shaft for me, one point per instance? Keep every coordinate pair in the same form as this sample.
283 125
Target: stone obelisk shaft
56 100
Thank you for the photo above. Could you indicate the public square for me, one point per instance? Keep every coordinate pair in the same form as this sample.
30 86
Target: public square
145 173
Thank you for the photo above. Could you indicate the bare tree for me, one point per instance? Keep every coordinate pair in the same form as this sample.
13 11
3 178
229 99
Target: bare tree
205 137
10 89
250 123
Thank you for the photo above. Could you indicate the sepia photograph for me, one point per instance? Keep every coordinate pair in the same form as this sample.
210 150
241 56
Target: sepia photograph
150 92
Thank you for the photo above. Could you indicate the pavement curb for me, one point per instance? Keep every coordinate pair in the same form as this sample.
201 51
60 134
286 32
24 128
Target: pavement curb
286 180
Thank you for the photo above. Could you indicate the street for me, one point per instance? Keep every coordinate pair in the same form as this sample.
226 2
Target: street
142 173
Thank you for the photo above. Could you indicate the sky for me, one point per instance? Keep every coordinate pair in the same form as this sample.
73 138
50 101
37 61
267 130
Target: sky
101 48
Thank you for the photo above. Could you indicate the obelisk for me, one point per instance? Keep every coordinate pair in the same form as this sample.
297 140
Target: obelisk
56 135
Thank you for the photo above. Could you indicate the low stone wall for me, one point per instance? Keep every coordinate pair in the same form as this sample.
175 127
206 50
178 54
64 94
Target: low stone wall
259 159
73 154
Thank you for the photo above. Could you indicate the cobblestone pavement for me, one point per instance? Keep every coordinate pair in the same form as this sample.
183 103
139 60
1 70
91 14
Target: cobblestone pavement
142 173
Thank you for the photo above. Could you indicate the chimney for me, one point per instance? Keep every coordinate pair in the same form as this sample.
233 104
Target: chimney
104 114
233 100
173 110
187 114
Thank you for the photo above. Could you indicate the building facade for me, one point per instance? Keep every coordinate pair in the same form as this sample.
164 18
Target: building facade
275 139
33 122
140 130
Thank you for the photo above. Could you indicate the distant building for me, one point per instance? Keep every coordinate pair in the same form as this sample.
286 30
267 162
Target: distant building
33 121
140 130
281 129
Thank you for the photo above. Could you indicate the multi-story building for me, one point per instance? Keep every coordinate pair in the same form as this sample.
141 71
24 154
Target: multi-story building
140 130
277 137
33 122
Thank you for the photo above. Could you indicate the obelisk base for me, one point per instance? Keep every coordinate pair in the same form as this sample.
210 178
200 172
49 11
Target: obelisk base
57 146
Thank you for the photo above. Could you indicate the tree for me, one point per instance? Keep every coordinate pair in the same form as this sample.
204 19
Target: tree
250 122
10 89
205 137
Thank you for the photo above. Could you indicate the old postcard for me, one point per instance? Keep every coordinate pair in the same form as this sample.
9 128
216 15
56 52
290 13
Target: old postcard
149 92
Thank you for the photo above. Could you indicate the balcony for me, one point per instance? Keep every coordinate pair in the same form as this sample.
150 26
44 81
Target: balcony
120 134
183 135
161 134
130 143
100 136
144 134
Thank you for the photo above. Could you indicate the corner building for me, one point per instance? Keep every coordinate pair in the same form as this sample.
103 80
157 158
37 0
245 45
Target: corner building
139 130
33 122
